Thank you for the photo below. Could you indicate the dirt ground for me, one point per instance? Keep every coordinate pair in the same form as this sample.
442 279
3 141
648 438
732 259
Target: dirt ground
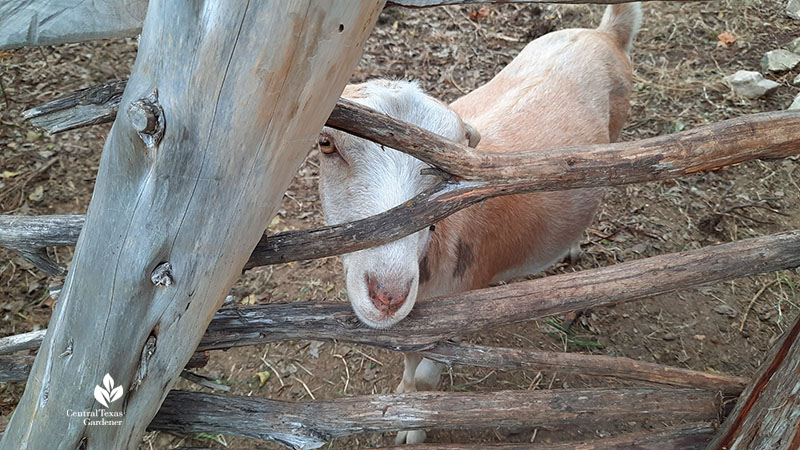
679 67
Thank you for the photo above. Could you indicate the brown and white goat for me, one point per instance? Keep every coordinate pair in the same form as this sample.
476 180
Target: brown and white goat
570 87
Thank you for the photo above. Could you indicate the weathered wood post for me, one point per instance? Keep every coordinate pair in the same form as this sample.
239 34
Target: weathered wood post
224 102
767 414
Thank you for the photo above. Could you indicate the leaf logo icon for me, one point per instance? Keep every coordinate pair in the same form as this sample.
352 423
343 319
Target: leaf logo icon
107 393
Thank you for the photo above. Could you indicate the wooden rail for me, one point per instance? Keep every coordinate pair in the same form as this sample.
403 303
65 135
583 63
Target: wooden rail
709 147
312 424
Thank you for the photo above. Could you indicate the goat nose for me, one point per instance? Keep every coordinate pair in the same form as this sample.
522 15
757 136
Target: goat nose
387 297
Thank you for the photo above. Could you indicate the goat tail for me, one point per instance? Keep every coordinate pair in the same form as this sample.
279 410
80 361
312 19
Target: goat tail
622 21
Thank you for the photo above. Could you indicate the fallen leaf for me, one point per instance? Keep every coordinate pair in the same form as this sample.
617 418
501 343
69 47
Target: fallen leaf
249 300
32 136
262 378
725 39
479 14
37 194
9 174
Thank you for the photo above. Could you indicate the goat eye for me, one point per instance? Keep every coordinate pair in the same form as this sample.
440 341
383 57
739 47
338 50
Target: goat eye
326 145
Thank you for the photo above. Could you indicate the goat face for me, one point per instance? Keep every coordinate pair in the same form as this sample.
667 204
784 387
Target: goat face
359 178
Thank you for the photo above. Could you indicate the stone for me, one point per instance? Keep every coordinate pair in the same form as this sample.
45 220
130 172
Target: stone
793 9
796 81
796 103
750 84
779 61
794 46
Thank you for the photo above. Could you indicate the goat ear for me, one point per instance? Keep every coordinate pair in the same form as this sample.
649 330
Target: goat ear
473 137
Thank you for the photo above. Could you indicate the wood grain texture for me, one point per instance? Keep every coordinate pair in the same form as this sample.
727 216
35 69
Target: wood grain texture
767 414
240 117
90 106
30 235
312 424
25 23
24 341
685 437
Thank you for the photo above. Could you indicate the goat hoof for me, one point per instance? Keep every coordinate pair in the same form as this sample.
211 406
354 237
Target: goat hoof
410 437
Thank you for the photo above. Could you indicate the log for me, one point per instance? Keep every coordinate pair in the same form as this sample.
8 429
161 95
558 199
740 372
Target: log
46 22
625 368
216 124
90 106
710 147
767 414
17 368
29 236
685 437
765 135
312 424
25 341
439 319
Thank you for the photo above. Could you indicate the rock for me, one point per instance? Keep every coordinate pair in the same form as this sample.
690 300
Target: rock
779 61
750 84
796 103
794 46
793 9
796 81
725 310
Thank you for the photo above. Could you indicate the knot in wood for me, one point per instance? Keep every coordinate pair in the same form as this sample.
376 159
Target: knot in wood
147 118
162 275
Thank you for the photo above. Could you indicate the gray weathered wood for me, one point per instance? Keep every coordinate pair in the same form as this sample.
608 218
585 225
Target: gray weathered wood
30 235
90 106
684 437
25 341
44 22
240 117
312 424
767 415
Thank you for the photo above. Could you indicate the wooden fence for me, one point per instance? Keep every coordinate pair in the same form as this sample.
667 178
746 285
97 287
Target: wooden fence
467 176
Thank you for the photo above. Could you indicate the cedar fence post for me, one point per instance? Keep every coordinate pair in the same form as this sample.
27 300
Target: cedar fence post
224 102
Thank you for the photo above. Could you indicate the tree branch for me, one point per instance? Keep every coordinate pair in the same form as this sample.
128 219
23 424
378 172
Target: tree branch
312 424
511 358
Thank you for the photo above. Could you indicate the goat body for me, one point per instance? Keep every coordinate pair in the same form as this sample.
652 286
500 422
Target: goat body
569 87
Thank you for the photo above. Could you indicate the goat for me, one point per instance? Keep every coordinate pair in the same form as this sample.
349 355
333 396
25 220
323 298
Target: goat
570 87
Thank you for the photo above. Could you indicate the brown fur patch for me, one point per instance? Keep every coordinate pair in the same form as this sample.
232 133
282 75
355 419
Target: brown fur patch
464 258
424 270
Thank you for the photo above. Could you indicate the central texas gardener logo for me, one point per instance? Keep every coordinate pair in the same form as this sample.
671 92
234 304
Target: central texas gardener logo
107 393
